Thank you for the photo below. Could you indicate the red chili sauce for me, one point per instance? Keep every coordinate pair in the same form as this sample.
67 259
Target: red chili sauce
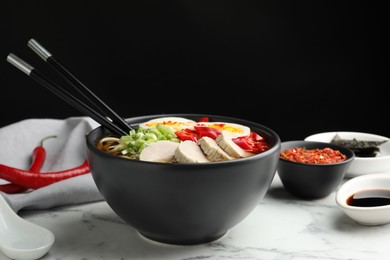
313 156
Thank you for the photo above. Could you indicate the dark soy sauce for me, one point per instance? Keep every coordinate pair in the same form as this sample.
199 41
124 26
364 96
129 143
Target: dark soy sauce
370 198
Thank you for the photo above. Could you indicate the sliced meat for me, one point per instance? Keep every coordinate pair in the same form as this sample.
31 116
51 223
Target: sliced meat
224 140
190 152
212 150
161 151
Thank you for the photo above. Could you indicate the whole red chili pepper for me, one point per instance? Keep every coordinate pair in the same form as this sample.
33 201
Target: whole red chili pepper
34 180
12 188
38 159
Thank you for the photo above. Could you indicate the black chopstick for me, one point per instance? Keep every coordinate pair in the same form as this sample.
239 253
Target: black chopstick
65 95
72 80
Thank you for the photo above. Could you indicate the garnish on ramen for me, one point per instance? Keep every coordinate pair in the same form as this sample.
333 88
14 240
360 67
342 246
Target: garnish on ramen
181 140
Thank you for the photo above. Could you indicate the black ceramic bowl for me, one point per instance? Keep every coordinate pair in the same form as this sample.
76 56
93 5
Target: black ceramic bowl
313 181
183 203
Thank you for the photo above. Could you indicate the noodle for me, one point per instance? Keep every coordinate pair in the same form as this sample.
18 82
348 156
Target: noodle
110 145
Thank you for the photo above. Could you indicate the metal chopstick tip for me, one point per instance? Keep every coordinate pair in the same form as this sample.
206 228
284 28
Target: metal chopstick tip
19 63
39 49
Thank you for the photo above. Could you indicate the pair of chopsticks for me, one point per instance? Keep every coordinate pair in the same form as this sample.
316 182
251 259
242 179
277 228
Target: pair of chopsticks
101 113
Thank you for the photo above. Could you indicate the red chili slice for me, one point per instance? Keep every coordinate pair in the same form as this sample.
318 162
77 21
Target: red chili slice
204 119
253 143
207 131
197 133
187 134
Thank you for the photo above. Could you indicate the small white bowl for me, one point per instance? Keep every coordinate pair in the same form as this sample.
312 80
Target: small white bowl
373 215
360 165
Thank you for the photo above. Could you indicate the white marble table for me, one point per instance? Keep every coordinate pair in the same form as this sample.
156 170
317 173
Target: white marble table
281 227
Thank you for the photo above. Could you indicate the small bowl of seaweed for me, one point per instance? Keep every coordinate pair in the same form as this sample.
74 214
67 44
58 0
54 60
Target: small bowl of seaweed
372 151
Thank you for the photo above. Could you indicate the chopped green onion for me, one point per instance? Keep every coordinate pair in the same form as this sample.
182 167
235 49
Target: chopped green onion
137 140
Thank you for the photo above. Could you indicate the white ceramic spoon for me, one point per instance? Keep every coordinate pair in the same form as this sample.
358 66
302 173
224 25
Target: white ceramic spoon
20 239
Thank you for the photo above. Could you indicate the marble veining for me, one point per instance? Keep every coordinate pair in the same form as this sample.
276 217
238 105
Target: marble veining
281 227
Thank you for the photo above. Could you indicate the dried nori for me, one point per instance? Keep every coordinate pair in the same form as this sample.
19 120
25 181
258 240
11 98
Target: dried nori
361 148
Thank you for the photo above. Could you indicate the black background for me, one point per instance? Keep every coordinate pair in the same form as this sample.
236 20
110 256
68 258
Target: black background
298 67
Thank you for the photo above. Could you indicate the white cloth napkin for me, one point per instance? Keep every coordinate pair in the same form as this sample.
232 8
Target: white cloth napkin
66 150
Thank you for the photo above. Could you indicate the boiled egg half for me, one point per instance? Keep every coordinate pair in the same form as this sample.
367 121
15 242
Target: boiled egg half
237 129
180 123
176 123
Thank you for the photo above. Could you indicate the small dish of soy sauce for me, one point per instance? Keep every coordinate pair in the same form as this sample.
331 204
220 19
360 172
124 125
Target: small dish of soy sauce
366 199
